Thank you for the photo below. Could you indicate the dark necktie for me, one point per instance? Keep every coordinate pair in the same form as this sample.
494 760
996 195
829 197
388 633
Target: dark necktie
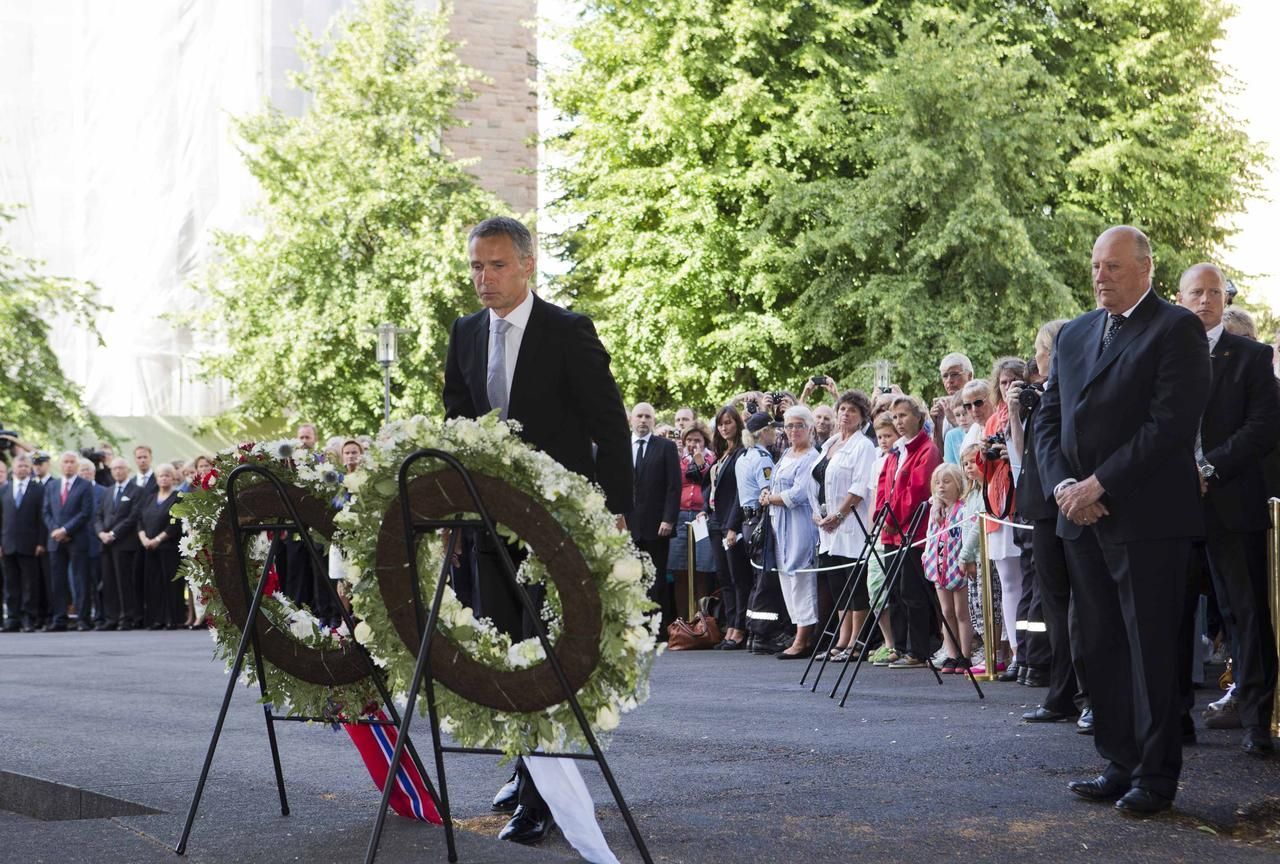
119 492
639 456
1114 324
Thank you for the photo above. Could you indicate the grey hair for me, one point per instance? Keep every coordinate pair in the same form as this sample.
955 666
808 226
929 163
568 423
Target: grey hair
1239 323
800 411
507 227
955 358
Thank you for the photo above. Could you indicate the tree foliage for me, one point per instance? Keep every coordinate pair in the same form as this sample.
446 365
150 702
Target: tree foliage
364 219
37 399
763 189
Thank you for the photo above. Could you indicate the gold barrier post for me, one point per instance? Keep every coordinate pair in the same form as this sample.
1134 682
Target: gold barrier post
991 630
689 542
1273 570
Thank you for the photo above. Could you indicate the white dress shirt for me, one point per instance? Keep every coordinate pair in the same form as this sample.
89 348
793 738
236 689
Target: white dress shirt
19 489
1214 334
635 446
518 318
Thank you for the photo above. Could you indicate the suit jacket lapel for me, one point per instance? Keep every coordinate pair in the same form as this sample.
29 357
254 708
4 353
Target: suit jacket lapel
530 344
480 348
1136 323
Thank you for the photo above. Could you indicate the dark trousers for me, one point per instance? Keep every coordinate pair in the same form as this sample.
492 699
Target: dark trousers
119 588
1066 665
1238 566
43 606
88 582
837 581
911 602
63 563
1033 639
733 573
662 591
160 566
1129 597
21 577
296 575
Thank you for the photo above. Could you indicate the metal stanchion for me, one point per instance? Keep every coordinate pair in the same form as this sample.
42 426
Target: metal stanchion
1273 571
688 542
991 630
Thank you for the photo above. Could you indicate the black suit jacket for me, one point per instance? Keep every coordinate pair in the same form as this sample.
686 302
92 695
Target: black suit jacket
1130 417
727 513
657 488
563 393
1241 426
120 519
1032 499
23 527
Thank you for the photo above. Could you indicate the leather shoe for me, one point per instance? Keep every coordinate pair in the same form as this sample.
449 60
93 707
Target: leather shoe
55 628
1257 741
1099 789
730 645
1085 724
1226 717
527 827
1010 674
83 628
1045 715
1034 677
104 626
505 800
11 628
1143 802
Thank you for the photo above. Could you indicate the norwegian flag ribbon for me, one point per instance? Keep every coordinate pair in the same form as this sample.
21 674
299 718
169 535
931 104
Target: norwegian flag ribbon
409 797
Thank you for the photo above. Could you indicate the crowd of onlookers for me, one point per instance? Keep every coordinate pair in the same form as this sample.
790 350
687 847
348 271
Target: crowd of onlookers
88 540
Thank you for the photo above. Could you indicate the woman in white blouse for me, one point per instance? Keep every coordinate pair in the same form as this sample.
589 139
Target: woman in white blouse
845 472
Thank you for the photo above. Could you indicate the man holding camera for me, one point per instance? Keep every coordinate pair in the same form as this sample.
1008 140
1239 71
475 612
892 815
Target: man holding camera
1240 427
1115 446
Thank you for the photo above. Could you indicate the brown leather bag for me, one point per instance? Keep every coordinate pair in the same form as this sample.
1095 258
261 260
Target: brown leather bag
702 632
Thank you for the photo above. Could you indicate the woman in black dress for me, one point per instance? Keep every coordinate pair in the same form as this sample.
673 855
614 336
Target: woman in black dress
724 519
159 534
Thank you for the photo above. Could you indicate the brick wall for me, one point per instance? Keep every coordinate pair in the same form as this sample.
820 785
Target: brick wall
499 41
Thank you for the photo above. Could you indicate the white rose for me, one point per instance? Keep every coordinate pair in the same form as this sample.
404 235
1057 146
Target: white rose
302 625
364 633
461 616
355 480
607 718
627 570
354 574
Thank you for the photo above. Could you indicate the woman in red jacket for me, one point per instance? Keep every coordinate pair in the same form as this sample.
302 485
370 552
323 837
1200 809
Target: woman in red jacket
904 486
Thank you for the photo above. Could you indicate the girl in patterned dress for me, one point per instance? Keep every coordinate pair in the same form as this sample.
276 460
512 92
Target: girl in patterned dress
942 565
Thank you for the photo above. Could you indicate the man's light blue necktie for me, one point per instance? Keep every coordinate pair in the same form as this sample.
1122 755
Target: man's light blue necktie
496 378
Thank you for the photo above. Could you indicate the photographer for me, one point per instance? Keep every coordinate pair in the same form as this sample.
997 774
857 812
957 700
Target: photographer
821 384
695 481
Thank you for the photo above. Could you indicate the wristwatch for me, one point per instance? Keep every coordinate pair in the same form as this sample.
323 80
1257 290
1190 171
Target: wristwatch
1206 471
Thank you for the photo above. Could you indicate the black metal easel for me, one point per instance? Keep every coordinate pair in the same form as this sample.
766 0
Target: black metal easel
422 671
249 636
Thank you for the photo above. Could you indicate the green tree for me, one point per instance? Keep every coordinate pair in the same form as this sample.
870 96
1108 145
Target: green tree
37 398
760 190
364 213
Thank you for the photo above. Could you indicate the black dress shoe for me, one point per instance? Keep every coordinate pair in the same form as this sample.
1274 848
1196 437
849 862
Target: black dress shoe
802 654
526 827
104 626
505 801
83 628
730 645
1034 677
11 628
1044 715
1085 724
1143 802
55 628
1099 789
28 629
1188 730
1257 741
1010 674
156 627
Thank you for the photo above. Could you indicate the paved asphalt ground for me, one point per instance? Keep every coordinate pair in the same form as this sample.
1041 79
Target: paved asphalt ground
730 761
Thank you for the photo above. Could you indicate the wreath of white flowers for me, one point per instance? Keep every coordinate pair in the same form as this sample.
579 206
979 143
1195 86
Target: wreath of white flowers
628 646
200 509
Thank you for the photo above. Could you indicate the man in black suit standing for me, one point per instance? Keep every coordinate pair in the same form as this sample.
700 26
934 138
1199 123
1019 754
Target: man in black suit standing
543 366
22 542
143 482
68 514
1241 426
116 525
1116 449
656 462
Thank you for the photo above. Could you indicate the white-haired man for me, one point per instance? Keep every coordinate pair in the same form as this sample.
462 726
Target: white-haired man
956 370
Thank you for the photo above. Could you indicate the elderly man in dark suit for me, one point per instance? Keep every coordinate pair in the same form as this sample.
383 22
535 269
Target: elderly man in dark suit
1241 426
22 542
1116 449
116 524
68 514
543 366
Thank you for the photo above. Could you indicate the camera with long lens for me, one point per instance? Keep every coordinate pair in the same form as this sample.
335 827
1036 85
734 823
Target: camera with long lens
97 457
7 444
994 449
1029 397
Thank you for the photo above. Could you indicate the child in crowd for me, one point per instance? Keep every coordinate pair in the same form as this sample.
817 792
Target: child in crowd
971 464
954 438
886 436
942 565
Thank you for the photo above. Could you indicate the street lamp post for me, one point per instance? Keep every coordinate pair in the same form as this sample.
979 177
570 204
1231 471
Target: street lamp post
386 354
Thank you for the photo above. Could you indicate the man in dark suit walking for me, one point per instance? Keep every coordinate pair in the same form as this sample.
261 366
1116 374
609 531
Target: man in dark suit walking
68 514
22 541
1116 445
543 366
656 462
116 525
1241 425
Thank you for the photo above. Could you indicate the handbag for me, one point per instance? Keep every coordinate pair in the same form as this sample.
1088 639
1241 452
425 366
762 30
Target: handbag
700 633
